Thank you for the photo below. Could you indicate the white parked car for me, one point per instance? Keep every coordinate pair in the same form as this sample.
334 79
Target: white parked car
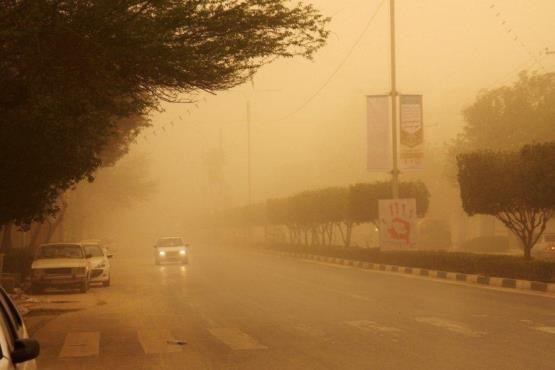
99 260
61 265
171 249
17 350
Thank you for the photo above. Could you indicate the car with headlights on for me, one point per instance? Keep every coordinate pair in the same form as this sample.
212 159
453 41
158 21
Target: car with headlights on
99 262
171 249
17 350
545 248
60 265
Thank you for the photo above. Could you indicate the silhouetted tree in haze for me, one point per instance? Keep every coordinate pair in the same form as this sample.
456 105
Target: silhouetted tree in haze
73 73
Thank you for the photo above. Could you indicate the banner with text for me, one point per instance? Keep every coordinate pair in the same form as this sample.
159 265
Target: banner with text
398 223
378 133
411 133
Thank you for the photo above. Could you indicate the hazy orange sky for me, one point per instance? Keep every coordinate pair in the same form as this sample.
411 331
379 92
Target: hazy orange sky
447 50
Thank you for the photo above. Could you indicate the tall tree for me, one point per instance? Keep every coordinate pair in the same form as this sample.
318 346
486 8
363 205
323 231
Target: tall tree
515 187
507 118
72 71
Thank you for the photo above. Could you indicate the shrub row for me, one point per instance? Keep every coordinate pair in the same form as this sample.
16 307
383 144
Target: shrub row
513 267
315 217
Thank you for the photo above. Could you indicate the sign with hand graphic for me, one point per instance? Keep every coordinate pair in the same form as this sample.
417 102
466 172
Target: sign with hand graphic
398 222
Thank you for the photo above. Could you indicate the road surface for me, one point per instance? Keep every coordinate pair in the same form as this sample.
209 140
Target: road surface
239 308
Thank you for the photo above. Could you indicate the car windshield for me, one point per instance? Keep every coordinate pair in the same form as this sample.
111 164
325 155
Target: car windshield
93 251
170 242
60 251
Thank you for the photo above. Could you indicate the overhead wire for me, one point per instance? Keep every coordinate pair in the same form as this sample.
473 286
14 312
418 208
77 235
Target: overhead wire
337 68
514 36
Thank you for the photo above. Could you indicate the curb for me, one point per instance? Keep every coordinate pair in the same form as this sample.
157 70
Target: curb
536 286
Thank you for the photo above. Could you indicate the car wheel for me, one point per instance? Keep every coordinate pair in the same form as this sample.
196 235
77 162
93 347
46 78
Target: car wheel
107 282
36 289
84 286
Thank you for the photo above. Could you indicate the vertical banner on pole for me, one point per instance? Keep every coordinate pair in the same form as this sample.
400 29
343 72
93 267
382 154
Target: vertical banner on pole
411 129
379 133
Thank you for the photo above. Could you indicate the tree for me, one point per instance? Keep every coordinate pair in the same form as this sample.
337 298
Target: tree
515 187
508 117
116 188
72 73
311 216
363 199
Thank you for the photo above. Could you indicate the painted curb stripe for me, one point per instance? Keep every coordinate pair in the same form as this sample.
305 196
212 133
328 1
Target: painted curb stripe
460 277
469 278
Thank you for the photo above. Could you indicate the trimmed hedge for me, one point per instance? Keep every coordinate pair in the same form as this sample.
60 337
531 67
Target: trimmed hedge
513 267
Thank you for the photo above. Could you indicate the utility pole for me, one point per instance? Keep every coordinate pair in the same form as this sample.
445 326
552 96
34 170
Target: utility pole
249 184
395 171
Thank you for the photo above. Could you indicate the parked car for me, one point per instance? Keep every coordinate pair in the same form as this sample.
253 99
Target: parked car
60 265
99 261
545 248
171 249
18 351
105 244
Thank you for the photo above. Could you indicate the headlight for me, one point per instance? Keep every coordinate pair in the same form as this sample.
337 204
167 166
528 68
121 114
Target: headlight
162 253
182 252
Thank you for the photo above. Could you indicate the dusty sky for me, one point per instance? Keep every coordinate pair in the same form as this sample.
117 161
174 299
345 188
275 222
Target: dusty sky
308 117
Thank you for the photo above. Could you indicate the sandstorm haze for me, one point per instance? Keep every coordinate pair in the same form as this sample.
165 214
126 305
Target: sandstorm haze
256 184
308 118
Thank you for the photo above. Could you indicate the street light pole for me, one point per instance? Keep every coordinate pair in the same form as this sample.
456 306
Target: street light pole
249 184
395 171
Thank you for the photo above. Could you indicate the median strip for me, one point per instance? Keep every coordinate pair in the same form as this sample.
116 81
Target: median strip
444 275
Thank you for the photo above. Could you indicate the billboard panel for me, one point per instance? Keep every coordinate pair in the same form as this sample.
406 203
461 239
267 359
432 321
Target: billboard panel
398 223
379 133
411 133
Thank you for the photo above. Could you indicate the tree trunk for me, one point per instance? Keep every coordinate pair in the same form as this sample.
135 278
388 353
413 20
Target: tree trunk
346 235
35 233
527 224
528 252
6 237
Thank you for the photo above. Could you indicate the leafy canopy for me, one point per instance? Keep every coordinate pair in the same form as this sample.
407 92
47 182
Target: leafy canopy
73 71
516 187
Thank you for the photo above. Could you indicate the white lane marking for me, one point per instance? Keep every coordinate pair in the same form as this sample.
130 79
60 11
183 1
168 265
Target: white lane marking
451 326
311 331
236 339
155 340
372 326
546 329
81 344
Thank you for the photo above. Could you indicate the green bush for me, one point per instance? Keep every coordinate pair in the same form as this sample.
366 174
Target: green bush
487 244
514 267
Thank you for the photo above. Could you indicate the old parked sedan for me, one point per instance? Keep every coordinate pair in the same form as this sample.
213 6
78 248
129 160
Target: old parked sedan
62 265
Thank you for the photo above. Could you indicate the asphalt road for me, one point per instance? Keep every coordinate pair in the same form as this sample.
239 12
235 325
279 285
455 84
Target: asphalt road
238 308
